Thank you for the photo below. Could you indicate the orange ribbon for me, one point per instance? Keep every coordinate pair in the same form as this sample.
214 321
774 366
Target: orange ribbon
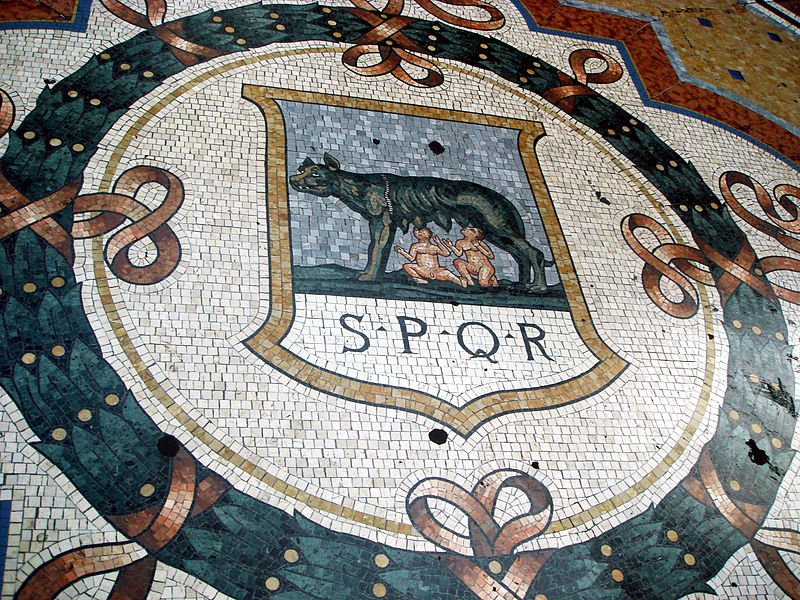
487 538
114 209
151 528
185 51
395 49
563 95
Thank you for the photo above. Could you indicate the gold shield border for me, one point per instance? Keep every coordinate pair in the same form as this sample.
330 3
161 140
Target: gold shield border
266 341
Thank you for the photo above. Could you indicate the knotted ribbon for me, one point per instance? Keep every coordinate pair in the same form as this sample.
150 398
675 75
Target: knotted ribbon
114 209
395 49
563 95
487 537
150 529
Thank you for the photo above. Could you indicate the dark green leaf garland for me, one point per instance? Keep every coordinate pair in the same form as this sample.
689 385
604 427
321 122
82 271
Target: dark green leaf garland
240 542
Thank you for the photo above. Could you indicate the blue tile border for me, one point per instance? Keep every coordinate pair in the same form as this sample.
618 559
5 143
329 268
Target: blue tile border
5 519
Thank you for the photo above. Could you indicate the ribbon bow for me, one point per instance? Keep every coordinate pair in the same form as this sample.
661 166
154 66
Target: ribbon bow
487 537
394 48
564 95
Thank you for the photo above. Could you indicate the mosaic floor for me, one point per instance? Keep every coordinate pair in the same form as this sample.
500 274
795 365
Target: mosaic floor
432 300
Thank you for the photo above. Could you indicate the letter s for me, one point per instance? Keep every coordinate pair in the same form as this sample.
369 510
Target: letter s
344 324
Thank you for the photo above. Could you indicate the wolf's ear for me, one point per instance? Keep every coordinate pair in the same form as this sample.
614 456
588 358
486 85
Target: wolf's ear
332 163
306 163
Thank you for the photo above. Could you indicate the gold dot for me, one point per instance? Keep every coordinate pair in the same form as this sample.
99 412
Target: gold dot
332 23
523 79
94 101
689 559
55 142
683 207
111 399
326 10
381 560
280 27
436 28
229 29
673 164
734 415
625 128
714 205
59 433
756 330
617 575
537 64
217 19
605 550
336 34
28 358
85 415
272 583
389 43
72 94
758 271
777 443
633 122
58 350
29 135
612 132
672 535
735 485
432 38
756 428
291 556
540 597
147 74
482 56
125 67
660 167
779 335
105 56
484 46
530 71
754 378
379 590
77 147
29 287
495 567
698 208
147 490
275 15
241 41
432 48
737 323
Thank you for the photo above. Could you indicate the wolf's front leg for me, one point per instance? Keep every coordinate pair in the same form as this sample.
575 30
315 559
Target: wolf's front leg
381 236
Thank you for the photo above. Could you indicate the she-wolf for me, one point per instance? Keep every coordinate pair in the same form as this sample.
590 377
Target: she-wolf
390 201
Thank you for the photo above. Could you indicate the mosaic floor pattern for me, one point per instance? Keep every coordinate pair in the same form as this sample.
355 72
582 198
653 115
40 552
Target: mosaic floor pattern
435 300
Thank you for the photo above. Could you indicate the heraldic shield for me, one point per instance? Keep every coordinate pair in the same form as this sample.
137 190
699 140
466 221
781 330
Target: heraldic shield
432 246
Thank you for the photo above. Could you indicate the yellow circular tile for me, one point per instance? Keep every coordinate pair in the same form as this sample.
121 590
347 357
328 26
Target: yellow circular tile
698 208
105 56
28 358
336 34
272 583
95 101
634 122
735 485
756 330
540 597
291 556
754 378
229 29
111 399
756 428
684 208
241 41
617 575
672 535
148 74
432 38
280 27
660 167
523 79
332 23
605 550
72 94
714 205
436 28
495 567
147 490
58 350
737 323
734 415
780 336
432 48
29 287
217 19
84 415
125 67
777 443
78 147
673 164
379 590
689 559
277 16
537 64
626 129
482 56
59 433
29 135
326 10
381 560
612 132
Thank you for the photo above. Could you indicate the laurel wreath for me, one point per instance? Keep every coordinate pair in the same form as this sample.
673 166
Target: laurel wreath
92 428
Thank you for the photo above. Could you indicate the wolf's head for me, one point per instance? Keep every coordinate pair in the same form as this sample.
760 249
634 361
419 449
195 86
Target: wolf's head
315 178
